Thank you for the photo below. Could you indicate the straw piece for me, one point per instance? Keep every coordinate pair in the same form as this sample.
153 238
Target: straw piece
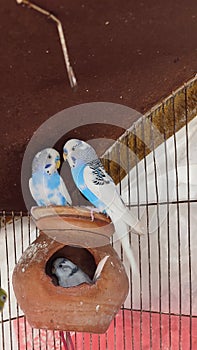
71 74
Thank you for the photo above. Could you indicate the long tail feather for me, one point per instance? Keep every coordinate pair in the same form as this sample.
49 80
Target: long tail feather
124 214
122 234
137 226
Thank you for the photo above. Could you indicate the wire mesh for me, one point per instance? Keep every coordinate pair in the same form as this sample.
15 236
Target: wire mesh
160 311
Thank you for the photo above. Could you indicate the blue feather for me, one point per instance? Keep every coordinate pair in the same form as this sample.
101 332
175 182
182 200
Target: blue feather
78 177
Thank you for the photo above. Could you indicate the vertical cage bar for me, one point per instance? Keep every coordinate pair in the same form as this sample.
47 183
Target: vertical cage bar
22 250
119 146
139 238
115 348
62 338
158 224
53 332
39 337
123 327
83 341
137 178
148 235
90 342
168 230
47 338
178 223
130 271
106 341
15 260
2 323
188 213
99 342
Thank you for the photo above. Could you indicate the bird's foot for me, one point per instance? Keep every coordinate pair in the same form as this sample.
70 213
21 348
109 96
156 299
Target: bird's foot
92 214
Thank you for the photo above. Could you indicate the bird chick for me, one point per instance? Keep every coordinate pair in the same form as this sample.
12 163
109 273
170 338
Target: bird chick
69 274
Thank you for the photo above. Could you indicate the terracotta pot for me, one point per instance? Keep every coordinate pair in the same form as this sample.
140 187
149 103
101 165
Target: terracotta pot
74 225
84 308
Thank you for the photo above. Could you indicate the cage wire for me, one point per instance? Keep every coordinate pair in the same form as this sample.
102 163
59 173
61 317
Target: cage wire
155 169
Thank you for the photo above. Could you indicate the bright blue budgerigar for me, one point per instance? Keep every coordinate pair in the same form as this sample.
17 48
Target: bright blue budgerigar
46 185
98 187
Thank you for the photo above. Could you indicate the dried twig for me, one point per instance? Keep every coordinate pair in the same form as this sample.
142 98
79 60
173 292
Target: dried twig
71 75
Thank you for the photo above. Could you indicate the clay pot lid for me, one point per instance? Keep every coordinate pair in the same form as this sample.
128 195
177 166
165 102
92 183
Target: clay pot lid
73 225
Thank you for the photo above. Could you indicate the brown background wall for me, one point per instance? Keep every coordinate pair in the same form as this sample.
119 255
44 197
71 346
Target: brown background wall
145 51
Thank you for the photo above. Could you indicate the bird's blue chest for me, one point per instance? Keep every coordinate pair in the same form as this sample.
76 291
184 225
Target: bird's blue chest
53 181
50 181
78 177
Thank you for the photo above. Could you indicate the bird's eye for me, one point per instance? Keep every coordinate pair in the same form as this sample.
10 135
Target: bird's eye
60 265
3 298
49 156
73 148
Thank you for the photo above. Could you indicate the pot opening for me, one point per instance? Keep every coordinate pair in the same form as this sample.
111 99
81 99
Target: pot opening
79 256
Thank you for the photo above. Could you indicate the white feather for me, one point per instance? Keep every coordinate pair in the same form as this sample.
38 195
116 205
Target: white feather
99 268
109 196
121 232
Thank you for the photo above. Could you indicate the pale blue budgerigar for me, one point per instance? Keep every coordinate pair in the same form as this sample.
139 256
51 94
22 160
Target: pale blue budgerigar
70 275
98 187
46 185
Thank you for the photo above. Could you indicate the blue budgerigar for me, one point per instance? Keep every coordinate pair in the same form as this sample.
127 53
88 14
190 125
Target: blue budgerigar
70 275
98 187
46 185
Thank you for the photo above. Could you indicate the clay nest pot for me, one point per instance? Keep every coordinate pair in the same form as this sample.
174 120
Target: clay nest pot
70 233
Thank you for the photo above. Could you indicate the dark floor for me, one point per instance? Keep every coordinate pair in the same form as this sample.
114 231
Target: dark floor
128 52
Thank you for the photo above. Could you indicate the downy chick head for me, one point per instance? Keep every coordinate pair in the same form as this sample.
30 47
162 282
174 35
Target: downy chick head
63 267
